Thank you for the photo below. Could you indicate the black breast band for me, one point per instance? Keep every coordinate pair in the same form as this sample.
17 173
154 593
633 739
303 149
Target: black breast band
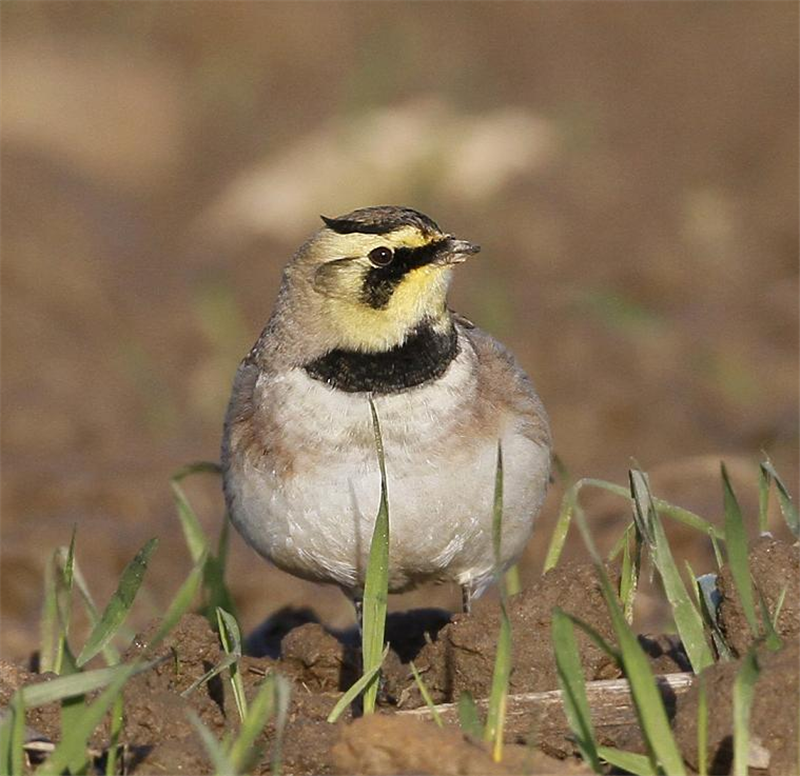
424 356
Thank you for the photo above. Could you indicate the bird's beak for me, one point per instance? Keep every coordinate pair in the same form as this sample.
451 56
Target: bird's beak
454 251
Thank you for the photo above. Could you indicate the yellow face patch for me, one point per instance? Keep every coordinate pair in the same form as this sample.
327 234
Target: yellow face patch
420 295
410 296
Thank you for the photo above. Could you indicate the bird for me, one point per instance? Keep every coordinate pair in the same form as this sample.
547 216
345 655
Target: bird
362 317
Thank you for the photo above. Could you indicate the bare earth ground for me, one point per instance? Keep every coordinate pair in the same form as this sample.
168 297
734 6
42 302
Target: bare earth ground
455 657
630 170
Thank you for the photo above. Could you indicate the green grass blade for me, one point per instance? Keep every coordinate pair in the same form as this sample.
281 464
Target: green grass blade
224 663
72 750
570 506
69 563
498 696
66 563
6 726
619 545
217 593
736 542
216 752
609 649
376 586
48 623
18 736
72 710
119 605
193 533
283 693
426 696
356 688
709 609
743 688
631 567
573 688
261 709
110 653
644 691
85 594
231 639
694 589
468 717
12 738
788 509
779 605
773 640
68 664
764 482
688 518
717 551
229 633
117 722
702 727
79 684
559 536
644 512
687 617
630 762
198 467
512 581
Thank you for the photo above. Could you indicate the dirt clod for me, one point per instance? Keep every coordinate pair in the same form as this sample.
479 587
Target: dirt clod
462 658
383 745
773 717
775 566
42 722
155 709
316 659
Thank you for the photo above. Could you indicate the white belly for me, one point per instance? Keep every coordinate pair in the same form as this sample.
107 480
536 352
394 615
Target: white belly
317 522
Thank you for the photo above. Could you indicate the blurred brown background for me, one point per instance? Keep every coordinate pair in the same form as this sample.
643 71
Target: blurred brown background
631 171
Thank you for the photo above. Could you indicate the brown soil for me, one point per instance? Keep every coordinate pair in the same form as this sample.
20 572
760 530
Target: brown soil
462 658
775 567
160 739
383 745
156 726
42 723
773 720
454 654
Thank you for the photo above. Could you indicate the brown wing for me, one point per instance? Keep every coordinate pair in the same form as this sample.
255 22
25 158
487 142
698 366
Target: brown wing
504 388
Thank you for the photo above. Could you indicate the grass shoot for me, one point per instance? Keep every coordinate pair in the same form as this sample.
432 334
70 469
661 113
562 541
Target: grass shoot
376 586
498 697
426 696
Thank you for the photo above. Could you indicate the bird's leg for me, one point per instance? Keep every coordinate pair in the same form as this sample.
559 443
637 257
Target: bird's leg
466 598
358 605
357 653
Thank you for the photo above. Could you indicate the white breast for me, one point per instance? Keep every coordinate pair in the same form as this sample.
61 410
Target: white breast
318 521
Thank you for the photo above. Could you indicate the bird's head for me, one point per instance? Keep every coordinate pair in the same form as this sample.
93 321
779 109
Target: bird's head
372 277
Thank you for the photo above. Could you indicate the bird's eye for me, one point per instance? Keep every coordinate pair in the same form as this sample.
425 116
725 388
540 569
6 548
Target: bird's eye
381 257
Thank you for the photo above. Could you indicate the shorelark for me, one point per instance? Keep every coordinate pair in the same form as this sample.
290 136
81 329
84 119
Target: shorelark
362 313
